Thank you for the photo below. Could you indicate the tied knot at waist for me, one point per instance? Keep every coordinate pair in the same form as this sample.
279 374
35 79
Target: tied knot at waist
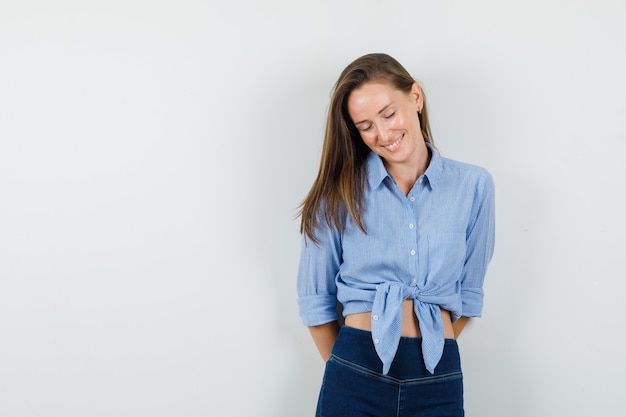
387 322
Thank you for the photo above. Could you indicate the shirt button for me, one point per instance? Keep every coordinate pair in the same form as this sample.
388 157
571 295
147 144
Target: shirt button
378 286
376 341
412 252
413 281
420 180
412 198
374 317
411 226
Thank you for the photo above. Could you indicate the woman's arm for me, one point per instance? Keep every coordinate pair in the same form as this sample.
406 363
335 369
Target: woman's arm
324 337
459 325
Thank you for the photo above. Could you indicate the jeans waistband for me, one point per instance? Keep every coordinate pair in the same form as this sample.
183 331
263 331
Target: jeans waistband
356 346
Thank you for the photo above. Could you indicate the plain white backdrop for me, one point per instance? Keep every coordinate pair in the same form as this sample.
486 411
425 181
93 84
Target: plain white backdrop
153 154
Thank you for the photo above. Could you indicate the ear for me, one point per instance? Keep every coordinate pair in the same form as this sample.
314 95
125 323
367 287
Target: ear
417 96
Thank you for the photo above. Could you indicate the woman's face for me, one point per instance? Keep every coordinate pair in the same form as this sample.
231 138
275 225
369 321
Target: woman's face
388 121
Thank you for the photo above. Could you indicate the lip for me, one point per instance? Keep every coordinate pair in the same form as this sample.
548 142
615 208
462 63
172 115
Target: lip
392 147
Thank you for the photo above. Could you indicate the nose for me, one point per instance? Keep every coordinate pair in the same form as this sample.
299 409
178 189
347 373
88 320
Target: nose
383 133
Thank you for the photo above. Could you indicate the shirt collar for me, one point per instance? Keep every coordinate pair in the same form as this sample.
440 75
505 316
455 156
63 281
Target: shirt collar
376 171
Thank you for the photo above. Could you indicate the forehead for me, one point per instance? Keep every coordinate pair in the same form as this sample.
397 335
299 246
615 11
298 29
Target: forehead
372 97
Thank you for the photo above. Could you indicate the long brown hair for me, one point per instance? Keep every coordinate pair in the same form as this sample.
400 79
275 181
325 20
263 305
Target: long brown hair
339 187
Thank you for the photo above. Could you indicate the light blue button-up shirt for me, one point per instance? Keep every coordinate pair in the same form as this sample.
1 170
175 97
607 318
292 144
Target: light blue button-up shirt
432 246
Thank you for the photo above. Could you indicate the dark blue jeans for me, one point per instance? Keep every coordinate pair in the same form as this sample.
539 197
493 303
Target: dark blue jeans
353 385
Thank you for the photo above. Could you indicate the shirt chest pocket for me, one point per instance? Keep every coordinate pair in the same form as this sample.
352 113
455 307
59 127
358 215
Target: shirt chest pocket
446 256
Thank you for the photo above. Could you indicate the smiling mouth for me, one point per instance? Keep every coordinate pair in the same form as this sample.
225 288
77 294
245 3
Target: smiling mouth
393 146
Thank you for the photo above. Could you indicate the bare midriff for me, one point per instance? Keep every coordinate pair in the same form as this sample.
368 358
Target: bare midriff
410 324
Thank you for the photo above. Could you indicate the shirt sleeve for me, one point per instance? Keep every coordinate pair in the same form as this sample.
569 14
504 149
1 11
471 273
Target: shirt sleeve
480 246
318 268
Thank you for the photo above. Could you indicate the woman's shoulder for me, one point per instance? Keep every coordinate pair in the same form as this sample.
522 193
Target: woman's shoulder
464 169
467 175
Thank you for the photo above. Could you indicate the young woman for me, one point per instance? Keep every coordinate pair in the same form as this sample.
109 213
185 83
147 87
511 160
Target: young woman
401 237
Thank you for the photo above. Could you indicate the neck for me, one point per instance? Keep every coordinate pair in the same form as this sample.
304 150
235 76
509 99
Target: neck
405 174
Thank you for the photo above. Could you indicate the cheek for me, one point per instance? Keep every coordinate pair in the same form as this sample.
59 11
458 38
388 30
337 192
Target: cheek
399 122
368 138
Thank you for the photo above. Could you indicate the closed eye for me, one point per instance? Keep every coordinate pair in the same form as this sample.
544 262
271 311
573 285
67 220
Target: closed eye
390 115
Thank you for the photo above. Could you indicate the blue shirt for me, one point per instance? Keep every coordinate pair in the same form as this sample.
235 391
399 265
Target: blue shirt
432 246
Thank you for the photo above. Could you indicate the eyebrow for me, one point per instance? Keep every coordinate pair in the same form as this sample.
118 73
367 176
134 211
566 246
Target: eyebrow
379 112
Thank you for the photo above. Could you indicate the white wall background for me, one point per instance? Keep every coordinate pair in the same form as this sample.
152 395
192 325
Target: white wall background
152 155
